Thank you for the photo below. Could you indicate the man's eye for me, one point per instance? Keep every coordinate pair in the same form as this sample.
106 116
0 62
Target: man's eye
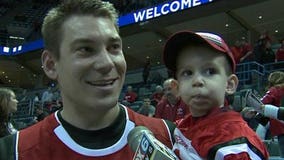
114 47
86 49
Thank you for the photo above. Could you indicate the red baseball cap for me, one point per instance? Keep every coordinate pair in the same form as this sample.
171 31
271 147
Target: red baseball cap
183 38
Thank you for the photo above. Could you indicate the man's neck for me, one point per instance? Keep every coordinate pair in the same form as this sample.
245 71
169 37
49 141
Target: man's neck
89 119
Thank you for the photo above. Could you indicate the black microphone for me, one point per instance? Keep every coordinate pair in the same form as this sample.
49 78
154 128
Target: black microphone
146 147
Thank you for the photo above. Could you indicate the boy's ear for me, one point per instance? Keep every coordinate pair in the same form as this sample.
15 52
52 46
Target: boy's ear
232 84
49 64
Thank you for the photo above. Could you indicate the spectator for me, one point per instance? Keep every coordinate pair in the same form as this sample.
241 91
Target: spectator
147 109
8 105
130 95
157 95
40 113
83 53
279 56
274 96
146 70
205 67
36 98
171 107
47 96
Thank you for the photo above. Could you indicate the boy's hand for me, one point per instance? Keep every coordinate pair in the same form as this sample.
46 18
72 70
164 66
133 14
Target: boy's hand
254 102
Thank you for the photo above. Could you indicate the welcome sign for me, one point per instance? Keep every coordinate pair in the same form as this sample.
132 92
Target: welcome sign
131 18
160 10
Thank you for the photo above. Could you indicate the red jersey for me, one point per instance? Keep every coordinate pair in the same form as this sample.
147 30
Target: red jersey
49 140
130 97
279 56
165 110
274 96
220 135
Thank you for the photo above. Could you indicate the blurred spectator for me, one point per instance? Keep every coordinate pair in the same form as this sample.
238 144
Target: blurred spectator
269 56
157 95
263 52
147 109
242 51
146 70
279 56
130 95
23 96
8 105
273 96
36 98
40 113
47 96
171 107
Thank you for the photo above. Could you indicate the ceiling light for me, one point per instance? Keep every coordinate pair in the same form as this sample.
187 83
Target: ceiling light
158 62
243 38
22 67
147 57
259 17
160 40
9 80
6 76
276 31
128 47
3 72
226 25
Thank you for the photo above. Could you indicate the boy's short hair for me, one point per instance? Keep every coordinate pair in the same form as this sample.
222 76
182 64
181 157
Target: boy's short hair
180 40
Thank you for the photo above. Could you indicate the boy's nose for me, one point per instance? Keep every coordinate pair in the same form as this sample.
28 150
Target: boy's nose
197 81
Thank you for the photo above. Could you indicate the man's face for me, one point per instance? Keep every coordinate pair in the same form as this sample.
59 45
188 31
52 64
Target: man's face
147 102
202 78
91 68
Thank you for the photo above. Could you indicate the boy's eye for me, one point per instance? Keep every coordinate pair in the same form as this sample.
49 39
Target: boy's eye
186 73
210 71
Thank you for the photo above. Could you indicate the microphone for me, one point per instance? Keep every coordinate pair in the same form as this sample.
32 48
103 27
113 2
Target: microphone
146 147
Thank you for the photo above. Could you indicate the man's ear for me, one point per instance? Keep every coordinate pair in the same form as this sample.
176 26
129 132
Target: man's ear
49 64
232 84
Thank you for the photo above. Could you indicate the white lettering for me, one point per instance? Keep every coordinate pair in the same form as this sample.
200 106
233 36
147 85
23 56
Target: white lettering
165 10
139 16
196 3
156 13
185 3
175 6
149 13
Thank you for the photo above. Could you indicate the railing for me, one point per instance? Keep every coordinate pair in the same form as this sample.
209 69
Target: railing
255 75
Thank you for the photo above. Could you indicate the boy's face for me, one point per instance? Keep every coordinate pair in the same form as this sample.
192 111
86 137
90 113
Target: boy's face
202 79
91 68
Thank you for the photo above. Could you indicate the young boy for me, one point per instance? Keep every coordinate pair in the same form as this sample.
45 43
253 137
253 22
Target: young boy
204 67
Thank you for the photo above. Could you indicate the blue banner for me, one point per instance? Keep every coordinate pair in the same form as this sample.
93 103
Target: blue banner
131 18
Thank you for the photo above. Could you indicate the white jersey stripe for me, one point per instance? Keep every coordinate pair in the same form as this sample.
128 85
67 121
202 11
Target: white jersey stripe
235 149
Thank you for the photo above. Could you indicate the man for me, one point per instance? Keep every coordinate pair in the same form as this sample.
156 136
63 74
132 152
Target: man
83 53
171 107
147 109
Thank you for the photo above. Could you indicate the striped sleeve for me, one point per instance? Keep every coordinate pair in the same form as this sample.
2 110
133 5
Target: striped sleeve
235 149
